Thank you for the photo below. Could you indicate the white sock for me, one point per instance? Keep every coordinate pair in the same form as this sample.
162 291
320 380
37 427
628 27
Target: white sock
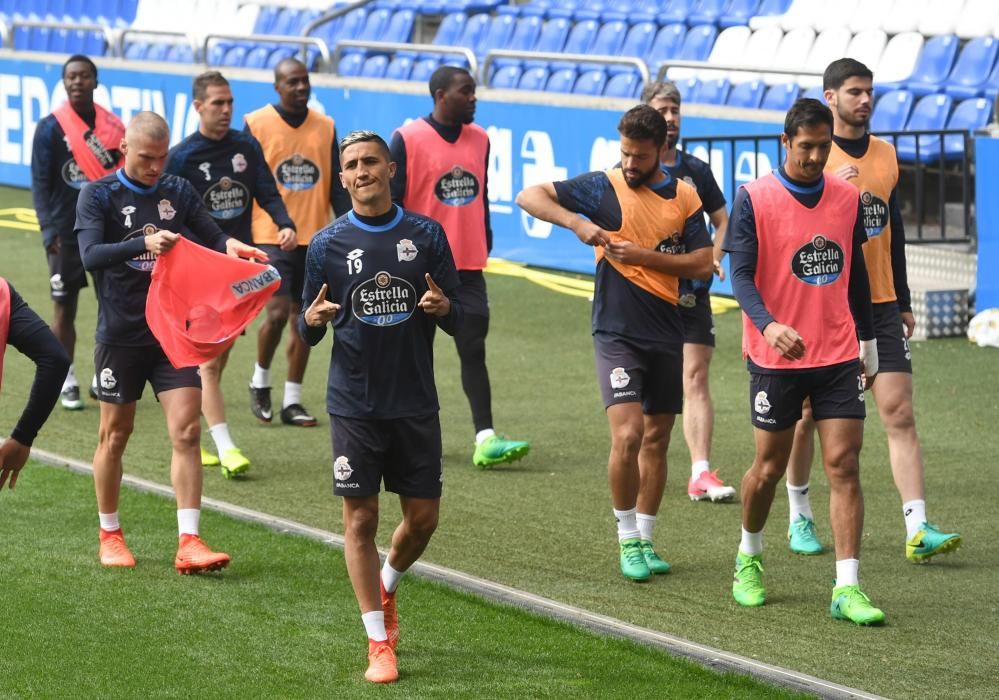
292 394
627 525
70 380
915 515
646 524
390 577
374 625
222 438
484 435
261 377
93 383
188 520
109 521
752 543
847 572
699 467
798 502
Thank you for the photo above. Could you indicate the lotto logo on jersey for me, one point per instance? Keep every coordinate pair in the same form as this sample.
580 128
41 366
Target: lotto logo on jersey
72 175
297 173
146 261
819 262
457 187
226 199
875 214
383 300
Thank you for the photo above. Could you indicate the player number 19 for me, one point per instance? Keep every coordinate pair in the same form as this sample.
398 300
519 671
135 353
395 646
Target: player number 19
354 266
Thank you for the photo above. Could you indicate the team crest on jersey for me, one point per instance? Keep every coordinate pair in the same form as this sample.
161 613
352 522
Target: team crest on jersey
342 469
457 187
819 262
72 175
875 214
127 213
383 300
238 163
761 404
297 173
206 168
619 378
406 250
167 212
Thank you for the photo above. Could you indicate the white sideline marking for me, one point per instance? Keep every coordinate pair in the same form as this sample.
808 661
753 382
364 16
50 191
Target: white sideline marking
706 656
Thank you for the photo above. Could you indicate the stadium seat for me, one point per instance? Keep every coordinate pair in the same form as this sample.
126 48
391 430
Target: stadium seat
266 18
279 54
840 16
400 27
795 45
829 45
591 82
795 14
637 44
399 67
815 92
891 111
689 89
738 13
551 39
904 16
940 18
257 57
136 51
769 14
666 45
157 51
698 43
978 18
473 32
780 97
180 53
728 49
506 77
934 65
714 91
535 78
747 95
707 12
761 44
424 68
972 115
899 58
872 17
580 39
450 29
868 46
562 80
992 83
374 66
350 64
676 11
930 113
972 68
497 34
609 38
623 85
526 32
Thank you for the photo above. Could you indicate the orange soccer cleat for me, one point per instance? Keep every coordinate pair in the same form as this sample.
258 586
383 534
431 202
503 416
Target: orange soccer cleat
194 556
391 616
114 551
382 664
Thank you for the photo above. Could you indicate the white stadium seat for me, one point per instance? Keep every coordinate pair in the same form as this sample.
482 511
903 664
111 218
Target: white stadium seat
795 44
868 47
729 49
803 14
940 18
905 16
873 16
761 21
829 45
842 16
899 57
759 49
978 18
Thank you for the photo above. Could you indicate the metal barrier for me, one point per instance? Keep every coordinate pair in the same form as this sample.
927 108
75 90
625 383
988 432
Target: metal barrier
302 41
395 47
8 33
638 64
924 209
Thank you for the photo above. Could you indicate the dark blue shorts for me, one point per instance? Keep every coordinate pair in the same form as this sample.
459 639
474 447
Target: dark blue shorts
628 372
893 347
122 372
775 397
290 264
698 323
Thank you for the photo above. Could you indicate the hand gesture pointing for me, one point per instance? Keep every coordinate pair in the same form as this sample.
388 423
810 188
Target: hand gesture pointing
320 311
433 301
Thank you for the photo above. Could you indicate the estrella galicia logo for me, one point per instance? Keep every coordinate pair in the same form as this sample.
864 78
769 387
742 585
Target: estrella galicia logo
144 262
383 300
818 262
674 245
297 173
226 199
72 175
457 187
875 214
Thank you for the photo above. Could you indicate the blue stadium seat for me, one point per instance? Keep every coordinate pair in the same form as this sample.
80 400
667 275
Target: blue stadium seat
714 92
738 13
698 42
424 68
930 113
136 50
972 115
285 20
562 80
637 44
747 95
552 39
400 67
666 44
676 11
769 8
180 53
816 93
780 96
350 64
707 12
474 31
450 29
534 78
94 44
591 82
497 34
526 32
891 111
972 68
609 38
157 51
279 54
400 27
506 77
375 66
623 85
991 87
257 57
933 65
266 19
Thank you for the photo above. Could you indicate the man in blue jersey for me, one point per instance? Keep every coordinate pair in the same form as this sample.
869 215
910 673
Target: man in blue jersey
123 222
228 170
75 144
384 277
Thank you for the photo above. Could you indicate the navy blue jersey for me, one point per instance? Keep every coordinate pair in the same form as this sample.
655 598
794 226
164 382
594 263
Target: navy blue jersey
229 173
382 363
696 173
56 181
620 306
113 215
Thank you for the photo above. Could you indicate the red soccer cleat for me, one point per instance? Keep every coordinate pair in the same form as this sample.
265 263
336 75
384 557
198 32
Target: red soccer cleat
194 556
114 551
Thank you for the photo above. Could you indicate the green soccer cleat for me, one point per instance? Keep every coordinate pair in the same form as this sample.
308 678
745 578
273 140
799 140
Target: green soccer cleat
802 537
656 564
234 463
633 564
208 459
496 449
850 603
747 585
929 541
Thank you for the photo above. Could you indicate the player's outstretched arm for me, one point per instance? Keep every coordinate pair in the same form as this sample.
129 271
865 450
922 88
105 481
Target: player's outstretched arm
541 202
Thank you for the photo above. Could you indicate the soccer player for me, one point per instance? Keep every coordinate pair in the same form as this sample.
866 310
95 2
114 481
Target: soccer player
795 240
75 144
384 277
441 165
648 232
695 303
870 165
123 222
228 170
300 147
23 329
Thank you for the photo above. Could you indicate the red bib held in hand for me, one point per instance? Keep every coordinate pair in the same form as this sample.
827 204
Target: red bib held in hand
4 321
200 300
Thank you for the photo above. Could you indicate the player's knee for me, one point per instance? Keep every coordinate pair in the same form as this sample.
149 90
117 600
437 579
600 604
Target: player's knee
898 416
656 438
842 464
770 470
278 311
422 525
362 523
187 436
695 379
113 438
627 438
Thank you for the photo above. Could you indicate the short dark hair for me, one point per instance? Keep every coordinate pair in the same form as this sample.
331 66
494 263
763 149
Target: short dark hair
806 112
79 58
361 136
841 70
199 88
443 77
643 123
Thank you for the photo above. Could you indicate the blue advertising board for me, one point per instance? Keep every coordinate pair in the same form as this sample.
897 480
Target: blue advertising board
530 142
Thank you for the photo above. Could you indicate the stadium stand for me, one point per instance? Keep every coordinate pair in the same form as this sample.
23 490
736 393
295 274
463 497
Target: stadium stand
929 114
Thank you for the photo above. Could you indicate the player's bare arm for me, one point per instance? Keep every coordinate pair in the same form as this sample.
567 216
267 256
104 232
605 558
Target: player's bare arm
719 219
287 239
785 340
321 311
434 301
541 202
235 248
694 265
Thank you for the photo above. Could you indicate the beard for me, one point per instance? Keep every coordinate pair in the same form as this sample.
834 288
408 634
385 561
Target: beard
672 139
643 177
854 121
